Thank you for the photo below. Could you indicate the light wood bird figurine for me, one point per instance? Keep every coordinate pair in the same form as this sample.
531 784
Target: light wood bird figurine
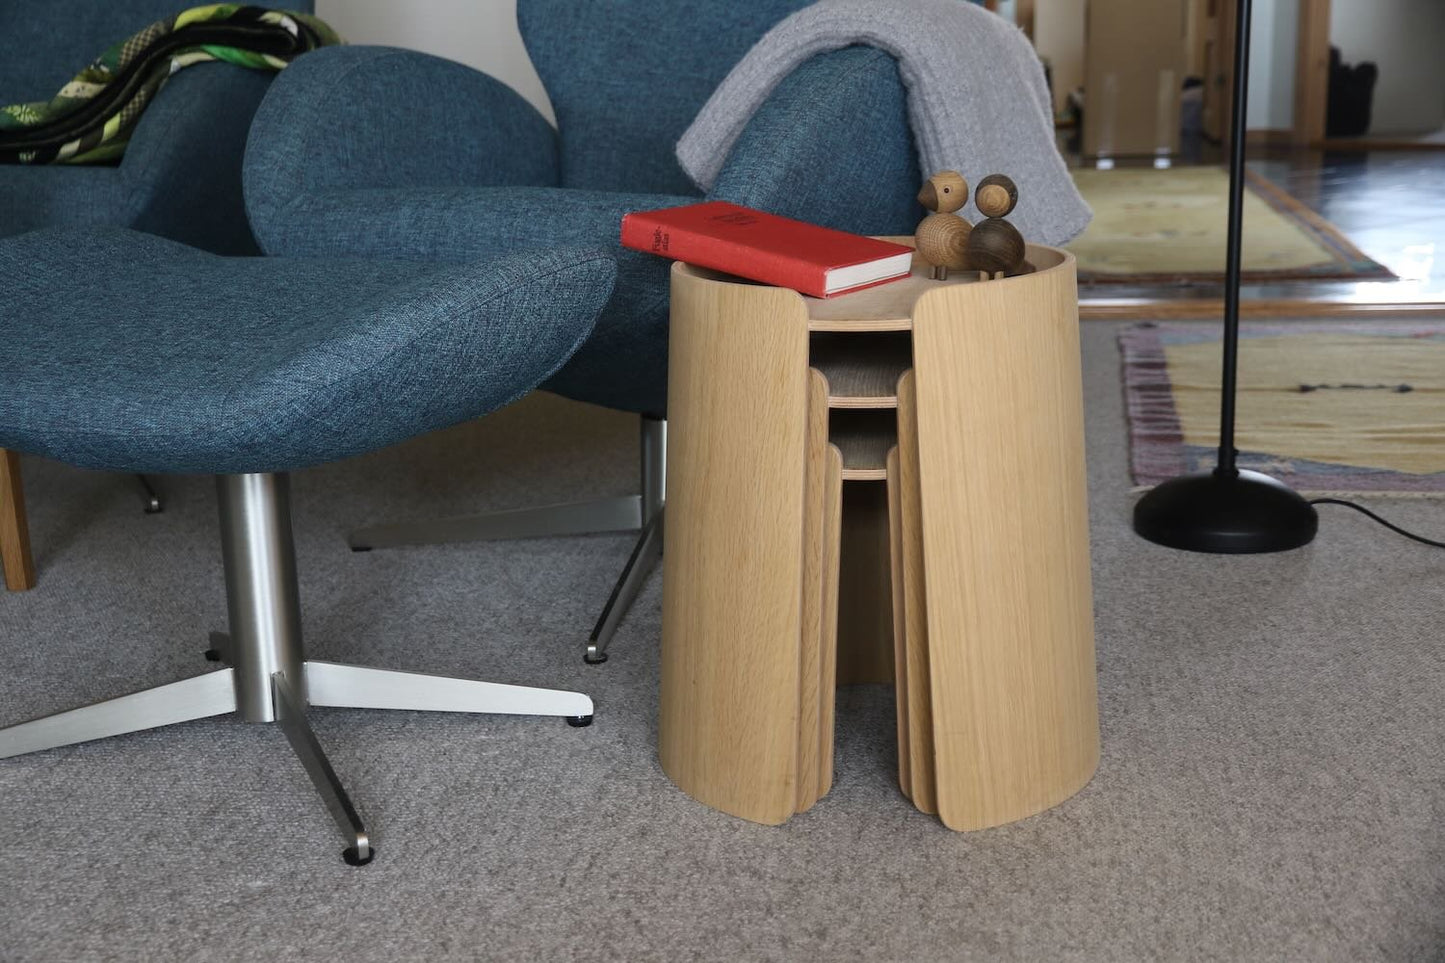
942 237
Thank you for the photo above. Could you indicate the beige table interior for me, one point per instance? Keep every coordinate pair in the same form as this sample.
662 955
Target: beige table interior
886 486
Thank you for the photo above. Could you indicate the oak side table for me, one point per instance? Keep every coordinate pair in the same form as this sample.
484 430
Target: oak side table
886 486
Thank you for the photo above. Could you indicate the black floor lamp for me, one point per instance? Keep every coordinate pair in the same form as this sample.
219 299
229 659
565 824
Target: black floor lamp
1228 510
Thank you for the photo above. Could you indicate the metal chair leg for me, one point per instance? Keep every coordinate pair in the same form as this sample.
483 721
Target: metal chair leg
212 694
649 543
291 716
641 512
150 497
634 575
267 678
362 687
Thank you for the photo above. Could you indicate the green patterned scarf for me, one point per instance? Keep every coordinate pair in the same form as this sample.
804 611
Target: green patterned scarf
90 121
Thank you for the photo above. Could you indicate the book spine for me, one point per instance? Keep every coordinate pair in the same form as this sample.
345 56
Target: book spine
720 254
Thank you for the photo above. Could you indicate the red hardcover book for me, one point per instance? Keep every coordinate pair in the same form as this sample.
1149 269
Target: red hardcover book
765 247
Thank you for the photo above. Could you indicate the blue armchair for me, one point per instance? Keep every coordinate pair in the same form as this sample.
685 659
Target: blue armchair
180 176
376 152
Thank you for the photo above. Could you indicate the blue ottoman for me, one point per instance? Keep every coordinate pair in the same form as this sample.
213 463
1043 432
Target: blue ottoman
127 352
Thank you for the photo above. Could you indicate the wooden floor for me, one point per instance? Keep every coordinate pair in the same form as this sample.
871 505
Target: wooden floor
1388 202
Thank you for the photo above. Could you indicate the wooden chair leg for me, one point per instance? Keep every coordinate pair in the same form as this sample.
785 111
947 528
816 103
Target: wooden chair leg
14 531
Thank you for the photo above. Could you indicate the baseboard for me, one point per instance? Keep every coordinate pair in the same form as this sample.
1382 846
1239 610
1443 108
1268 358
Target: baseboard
1375 143
1269 137
1178 309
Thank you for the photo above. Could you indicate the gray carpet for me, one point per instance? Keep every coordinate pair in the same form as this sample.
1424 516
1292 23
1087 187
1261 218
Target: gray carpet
1271 785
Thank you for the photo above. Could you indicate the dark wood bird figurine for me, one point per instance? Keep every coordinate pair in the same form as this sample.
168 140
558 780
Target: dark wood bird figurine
994 245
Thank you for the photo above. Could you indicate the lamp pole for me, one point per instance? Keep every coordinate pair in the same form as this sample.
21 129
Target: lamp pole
1229 510
1238 109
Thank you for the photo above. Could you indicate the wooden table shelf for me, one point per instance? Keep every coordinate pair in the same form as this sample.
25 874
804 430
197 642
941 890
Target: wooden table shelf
864 437
963 397
862 369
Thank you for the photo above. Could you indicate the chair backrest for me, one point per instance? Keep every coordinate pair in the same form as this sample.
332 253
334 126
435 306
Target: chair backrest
44 43
626 77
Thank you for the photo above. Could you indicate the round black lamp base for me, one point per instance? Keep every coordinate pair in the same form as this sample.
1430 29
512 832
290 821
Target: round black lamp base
1226 514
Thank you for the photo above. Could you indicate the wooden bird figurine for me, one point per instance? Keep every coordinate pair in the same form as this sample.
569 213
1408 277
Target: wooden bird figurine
994 245
942 236
996 196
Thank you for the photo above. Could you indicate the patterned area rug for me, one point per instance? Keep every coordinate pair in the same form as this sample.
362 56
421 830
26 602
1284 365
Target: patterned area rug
1324 408
1169 227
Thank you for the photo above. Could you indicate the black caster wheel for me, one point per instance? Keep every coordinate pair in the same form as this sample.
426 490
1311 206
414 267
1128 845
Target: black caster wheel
349 854
213 656
579 722
361 548
597 659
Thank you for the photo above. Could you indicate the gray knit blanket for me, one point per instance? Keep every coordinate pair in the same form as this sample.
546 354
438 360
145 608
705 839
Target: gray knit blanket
977 100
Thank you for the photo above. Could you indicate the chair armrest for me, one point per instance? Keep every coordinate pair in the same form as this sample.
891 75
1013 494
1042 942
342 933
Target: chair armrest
347 118
455 223
831 145
181 171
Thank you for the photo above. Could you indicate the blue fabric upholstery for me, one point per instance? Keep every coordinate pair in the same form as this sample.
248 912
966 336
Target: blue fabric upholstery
329 173
32 197
44 43
125 351
624 365
180 176
626 77
355 118
832 145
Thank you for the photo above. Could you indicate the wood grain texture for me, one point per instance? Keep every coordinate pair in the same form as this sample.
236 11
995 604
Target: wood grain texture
771 599
810 664
1312 71
14 528
900 627
1005 546
865 601
996 247
944 192
1202 60
917 739
732 599
942 240
828 686
1219 77
1024 17
862 370
997 196
864 436
1133 67
889 307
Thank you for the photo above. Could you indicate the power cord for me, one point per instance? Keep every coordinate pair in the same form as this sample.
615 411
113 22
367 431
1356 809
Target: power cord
1390 525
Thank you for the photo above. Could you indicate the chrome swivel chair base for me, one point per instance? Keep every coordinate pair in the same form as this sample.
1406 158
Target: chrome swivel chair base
640 564
641 513
267 679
